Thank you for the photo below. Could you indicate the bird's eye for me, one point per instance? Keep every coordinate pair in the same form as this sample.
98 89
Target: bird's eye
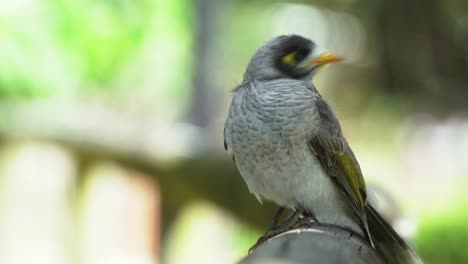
295 57
290 58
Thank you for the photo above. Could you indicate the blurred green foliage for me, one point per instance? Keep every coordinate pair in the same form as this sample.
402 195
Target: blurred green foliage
102 34
442 233
63 46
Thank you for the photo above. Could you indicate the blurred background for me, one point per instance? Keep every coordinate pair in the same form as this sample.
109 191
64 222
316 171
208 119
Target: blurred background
112 112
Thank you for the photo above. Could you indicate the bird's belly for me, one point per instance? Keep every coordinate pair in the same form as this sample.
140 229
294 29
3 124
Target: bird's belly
295 177
286 177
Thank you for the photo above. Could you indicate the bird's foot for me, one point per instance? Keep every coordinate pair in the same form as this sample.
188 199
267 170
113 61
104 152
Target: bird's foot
306 222
275 230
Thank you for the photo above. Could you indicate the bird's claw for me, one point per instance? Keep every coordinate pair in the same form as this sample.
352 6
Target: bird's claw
269 234
306 222
290 224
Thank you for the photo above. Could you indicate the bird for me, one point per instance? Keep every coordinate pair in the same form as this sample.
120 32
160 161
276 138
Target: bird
289 147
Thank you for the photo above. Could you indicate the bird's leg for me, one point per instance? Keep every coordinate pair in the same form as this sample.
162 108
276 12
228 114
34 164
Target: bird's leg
288 225
276 218
291 221
271 229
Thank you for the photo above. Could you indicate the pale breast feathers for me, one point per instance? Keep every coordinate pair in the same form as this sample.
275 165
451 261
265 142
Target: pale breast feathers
264 115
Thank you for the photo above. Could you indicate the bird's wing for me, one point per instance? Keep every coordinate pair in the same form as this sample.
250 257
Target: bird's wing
338 160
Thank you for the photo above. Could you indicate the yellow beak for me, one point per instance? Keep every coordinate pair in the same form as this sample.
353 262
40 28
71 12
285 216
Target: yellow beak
324 58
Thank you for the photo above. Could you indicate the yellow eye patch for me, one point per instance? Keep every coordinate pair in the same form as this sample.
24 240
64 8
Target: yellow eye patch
290 58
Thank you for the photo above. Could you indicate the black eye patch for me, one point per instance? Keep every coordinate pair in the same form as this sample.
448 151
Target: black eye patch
290 52
299 45
301 53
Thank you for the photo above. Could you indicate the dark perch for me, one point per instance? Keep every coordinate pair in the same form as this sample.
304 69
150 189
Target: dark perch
322 244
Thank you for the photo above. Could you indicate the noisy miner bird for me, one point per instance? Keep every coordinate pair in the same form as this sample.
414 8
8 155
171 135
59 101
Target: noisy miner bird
289 148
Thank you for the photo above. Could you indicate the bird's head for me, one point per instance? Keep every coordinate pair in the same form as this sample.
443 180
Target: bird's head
290 56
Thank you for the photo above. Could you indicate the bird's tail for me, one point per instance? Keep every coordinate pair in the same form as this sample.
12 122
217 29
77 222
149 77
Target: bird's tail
386 240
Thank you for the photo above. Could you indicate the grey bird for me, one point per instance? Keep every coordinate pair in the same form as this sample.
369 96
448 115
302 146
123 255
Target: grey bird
289 147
